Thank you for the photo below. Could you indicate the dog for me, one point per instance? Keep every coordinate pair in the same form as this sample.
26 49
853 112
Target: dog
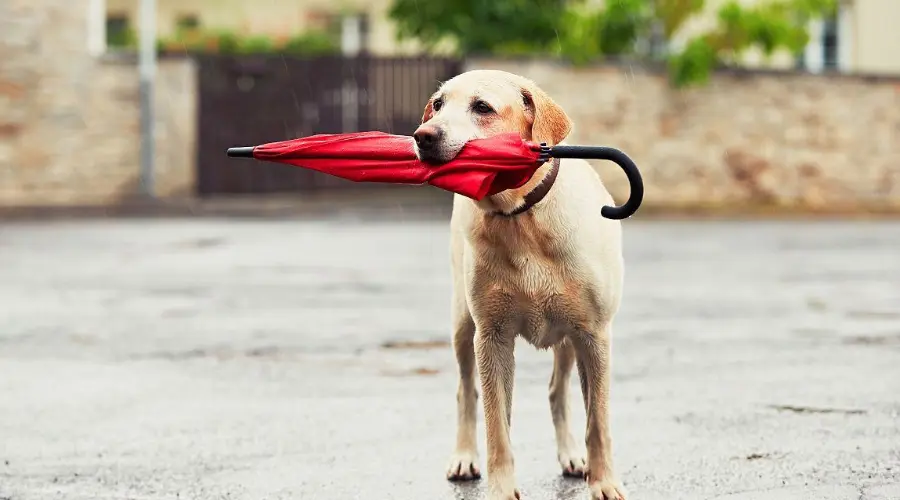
538 262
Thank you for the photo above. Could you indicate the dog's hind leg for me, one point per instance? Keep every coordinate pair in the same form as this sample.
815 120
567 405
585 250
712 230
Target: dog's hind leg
593 356
567 452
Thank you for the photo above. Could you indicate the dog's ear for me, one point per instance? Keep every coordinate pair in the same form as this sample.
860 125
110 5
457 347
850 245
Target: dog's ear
548 122
429 110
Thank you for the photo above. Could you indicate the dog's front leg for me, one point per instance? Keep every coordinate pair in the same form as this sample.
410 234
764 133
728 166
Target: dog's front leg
494 351
593 359
464 463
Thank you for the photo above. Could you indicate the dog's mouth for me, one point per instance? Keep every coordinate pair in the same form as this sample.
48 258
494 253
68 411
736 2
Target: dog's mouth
437 154
434 157
434 145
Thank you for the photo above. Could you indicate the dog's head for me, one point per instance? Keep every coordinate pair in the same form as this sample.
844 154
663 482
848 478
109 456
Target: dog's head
484 103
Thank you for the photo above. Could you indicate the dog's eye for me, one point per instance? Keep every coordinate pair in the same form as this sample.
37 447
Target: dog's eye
436 105
482 108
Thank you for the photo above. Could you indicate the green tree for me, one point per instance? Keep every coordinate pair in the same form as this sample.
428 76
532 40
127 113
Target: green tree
769 26
571 29
480 26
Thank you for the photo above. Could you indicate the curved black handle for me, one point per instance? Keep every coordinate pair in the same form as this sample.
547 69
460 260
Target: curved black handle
621 159
245 152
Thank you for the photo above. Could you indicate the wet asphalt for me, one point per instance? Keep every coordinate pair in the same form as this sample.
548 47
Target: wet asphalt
308 359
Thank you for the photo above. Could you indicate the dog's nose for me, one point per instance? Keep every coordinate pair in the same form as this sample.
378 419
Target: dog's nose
427 137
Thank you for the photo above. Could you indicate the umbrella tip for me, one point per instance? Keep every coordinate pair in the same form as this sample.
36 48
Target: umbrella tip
242 152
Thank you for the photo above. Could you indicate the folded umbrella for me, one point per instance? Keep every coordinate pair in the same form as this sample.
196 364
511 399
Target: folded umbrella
482 168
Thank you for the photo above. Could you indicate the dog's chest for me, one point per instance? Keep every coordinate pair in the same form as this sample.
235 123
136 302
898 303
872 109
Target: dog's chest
527 282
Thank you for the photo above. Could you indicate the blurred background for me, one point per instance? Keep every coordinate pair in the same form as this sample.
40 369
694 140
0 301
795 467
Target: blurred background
174 323
801 114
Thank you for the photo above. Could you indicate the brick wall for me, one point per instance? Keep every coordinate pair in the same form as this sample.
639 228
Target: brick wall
763 139
69 122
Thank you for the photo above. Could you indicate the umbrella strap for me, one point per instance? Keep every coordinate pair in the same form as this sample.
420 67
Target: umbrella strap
537 194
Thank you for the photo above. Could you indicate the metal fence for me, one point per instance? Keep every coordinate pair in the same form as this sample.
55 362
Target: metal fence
248 100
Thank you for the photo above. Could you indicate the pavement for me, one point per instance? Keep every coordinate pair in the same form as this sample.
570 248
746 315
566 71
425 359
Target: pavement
216 358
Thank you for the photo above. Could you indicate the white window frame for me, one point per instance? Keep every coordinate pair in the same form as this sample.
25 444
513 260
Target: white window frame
846 36
814 53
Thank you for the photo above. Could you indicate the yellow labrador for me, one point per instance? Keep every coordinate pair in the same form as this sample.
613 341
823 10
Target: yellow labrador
538 262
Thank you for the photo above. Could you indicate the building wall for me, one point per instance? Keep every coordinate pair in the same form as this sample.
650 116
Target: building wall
873 46
876 40
69 122
275 18
747 139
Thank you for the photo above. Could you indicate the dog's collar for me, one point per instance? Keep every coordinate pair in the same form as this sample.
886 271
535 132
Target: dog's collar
537 194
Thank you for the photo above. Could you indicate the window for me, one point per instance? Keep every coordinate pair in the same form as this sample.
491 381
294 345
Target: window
118 31
187 22
365 27
656 42
354 34
325 22
830 43
828 48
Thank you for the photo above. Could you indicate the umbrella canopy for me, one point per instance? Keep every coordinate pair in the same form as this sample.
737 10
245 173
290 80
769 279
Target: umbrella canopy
482 168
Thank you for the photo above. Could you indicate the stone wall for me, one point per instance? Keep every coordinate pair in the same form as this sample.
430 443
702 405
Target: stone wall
747 139
69 121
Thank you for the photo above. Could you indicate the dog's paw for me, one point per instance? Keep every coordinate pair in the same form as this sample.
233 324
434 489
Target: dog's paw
607 489
463 467
573 465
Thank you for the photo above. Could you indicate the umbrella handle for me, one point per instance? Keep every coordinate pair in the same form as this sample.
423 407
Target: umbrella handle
635 182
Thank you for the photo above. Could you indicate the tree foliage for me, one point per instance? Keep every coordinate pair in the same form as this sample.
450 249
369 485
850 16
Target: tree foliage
479 26
632 28
198 40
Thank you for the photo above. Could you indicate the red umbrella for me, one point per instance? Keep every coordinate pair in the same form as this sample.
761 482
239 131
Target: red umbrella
482 168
